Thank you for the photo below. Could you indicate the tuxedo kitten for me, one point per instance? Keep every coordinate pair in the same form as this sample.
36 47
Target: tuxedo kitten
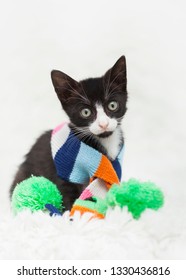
95 107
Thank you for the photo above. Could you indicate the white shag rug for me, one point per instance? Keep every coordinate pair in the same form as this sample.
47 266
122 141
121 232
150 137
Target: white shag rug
118 236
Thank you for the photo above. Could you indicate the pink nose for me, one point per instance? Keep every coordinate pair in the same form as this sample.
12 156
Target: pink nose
103 125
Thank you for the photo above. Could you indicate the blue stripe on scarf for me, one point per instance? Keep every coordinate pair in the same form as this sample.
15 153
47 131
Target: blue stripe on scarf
66 156
86 164
117 168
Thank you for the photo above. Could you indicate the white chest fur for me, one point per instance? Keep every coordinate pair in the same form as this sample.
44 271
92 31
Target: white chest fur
102 124
112 143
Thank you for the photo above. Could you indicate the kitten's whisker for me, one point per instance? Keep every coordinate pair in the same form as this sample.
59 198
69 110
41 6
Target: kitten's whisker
84 134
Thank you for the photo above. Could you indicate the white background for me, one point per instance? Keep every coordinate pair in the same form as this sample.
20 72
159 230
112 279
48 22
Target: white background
84 39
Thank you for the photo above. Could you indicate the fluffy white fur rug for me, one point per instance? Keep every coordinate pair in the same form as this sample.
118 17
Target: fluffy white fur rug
118 236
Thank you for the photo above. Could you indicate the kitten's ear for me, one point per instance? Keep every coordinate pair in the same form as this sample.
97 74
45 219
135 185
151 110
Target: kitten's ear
116 77
64 85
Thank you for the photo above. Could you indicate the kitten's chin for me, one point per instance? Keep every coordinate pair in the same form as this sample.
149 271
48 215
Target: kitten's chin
105 134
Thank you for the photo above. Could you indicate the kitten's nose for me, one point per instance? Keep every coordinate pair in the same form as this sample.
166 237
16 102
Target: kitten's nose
103 125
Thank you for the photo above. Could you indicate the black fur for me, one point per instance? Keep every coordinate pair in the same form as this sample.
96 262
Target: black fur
39 162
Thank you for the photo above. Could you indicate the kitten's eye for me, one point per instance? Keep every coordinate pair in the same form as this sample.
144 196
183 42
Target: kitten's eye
113 105
85 113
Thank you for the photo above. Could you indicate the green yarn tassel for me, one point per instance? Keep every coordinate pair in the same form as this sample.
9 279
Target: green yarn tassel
136 195
34 193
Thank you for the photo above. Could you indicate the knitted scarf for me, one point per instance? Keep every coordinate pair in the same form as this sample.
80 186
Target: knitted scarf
77 162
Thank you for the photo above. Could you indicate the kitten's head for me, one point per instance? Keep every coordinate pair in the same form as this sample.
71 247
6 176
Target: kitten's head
96 105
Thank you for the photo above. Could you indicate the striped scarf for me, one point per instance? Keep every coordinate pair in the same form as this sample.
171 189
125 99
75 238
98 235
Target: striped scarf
79 163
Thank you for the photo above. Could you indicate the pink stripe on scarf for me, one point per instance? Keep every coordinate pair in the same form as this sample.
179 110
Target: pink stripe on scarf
85 194
58 128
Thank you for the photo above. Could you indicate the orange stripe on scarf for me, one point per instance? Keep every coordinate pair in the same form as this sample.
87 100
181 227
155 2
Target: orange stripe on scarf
83 210
106 172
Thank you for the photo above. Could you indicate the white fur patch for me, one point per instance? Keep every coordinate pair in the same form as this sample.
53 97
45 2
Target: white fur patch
112 143
102 123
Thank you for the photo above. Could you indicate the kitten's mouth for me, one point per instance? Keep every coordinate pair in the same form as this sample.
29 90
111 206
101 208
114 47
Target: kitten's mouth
105 134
